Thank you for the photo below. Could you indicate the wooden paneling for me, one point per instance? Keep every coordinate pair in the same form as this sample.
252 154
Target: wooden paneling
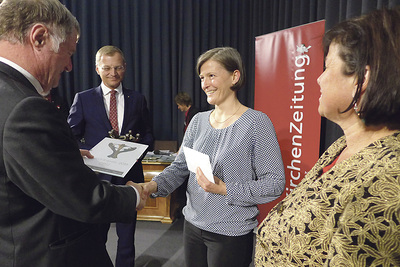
157 209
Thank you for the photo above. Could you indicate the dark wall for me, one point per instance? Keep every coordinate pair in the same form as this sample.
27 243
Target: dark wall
162 39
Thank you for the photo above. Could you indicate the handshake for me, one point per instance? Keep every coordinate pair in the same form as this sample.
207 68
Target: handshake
144 189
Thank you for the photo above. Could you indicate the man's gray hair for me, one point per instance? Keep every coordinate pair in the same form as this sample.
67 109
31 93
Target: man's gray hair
18 16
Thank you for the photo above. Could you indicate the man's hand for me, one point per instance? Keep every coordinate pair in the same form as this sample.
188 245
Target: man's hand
143 192
218 188
86 153
151 187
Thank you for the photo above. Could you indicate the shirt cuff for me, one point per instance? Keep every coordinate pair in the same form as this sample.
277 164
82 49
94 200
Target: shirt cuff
137 196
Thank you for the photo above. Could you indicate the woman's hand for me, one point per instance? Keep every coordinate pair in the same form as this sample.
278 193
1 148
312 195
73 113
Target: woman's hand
150 187
218 188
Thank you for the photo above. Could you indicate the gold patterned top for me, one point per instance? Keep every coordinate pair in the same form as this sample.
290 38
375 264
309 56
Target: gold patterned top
347 216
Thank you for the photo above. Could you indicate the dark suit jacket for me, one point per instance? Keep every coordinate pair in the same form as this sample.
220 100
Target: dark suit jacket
89 122
50 202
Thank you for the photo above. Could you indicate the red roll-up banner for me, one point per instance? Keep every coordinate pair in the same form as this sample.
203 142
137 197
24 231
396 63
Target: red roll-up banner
287 65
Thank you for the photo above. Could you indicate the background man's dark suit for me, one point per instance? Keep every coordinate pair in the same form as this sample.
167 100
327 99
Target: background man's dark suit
49 200
90 124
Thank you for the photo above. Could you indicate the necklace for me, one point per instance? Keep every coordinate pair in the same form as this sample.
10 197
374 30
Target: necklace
227 118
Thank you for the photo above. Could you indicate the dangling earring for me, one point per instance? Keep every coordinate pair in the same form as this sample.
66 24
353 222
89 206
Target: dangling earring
356 109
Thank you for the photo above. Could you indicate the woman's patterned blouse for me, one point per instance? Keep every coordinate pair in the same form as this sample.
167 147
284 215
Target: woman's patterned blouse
348 216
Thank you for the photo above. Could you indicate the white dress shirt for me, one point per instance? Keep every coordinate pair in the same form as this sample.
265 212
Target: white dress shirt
120 110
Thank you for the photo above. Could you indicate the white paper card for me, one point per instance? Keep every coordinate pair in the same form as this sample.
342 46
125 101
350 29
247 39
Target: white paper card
196 159
114 156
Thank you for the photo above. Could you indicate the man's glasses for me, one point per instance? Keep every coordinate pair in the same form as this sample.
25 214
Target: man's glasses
117 68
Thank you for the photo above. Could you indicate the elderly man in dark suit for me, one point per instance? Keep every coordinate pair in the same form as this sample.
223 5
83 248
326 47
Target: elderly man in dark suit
51 204
110 107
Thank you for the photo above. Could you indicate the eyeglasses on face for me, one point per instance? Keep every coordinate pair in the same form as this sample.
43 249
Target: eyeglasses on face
108 68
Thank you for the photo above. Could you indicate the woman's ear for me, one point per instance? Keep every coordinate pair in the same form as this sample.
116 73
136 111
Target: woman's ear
367 75
235 77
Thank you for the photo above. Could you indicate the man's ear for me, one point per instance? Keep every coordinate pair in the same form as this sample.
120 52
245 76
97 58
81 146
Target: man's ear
39 35
97 70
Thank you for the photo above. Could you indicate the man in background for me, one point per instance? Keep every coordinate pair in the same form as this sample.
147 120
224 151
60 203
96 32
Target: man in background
113 109
51 203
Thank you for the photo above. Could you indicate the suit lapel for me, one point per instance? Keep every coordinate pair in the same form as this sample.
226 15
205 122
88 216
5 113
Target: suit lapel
128 108
99 106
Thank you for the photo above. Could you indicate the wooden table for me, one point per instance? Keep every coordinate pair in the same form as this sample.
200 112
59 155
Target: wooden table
157 209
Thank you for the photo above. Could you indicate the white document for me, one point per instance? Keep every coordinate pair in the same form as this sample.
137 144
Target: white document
196 159
114 156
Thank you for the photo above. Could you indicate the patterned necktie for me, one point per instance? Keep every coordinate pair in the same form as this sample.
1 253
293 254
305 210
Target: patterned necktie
113 111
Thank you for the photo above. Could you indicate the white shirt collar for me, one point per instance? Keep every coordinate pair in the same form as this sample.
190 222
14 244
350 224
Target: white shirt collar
107 90
29 76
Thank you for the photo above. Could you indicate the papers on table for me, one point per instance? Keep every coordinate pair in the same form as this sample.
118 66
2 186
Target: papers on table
196 159
114 156
164 158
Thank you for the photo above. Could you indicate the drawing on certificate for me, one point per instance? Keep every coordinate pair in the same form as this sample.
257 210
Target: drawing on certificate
114 156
